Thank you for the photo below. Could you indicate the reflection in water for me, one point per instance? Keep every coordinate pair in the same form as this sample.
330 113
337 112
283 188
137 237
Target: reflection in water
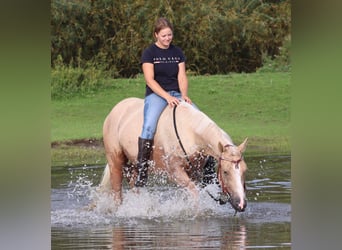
237 237
180 235
163 217
119 238
202 234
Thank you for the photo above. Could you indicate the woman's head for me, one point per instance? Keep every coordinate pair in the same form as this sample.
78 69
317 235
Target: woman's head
163 32
160 24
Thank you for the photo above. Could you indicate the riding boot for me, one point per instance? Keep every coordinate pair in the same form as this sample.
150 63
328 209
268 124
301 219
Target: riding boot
209 173
145 149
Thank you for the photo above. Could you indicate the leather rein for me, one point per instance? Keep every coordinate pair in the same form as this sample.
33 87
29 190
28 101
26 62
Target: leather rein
178 138
188 160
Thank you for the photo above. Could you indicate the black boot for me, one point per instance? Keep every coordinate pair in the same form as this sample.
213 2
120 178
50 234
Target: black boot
145 149
209 174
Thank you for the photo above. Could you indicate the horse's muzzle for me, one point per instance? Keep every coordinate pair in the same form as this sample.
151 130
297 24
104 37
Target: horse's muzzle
238 204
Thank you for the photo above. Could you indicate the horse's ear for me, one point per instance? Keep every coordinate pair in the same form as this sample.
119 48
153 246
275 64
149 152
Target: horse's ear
220 146
242 146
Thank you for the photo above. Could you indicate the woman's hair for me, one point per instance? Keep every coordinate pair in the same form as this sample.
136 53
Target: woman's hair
160 24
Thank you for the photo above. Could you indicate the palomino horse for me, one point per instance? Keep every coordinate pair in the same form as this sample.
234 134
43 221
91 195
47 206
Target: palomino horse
199 136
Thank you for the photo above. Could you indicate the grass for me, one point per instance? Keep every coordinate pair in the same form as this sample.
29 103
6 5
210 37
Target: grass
255 105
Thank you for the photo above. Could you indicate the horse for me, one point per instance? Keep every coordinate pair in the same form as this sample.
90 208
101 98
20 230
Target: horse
179 153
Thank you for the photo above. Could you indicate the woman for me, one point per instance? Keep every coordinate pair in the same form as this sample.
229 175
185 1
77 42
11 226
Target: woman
163 65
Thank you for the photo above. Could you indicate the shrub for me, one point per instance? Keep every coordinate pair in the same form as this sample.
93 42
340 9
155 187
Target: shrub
277 63
68 81
217 37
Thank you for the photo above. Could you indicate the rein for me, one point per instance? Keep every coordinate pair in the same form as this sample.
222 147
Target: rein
224 197
219 177
178 138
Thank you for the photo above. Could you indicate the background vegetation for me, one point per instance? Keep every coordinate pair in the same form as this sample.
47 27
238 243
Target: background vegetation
217 37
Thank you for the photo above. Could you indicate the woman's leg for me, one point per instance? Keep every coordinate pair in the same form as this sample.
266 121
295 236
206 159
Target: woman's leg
153 107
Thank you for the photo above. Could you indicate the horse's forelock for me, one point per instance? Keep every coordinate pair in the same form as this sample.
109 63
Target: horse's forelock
235 151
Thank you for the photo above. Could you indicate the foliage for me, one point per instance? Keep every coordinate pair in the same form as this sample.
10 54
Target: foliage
277 63
217 37
68 81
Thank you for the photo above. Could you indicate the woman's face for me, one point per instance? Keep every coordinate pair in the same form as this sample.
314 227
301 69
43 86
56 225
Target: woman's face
164 38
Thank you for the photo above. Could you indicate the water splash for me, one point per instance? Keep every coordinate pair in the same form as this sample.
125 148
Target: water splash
84 204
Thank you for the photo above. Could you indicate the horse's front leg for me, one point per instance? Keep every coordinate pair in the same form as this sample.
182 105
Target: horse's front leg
181 178
116 176
116 182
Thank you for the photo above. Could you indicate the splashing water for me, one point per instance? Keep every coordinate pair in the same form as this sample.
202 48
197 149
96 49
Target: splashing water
81 204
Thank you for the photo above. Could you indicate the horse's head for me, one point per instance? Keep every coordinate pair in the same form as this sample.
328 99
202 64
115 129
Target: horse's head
231 175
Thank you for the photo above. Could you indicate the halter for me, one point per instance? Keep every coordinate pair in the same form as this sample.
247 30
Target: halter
236 164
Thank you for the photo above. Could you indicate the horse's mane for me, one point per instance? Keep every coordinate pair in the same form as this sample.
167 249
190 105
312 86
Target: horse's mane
204 127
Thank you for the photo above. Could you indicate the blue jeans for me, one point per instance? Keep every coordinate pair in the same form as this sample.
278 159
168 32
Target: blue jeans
153 107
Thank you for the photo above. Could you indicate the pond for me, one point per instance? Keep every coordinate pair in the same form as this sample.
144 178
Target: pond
162 216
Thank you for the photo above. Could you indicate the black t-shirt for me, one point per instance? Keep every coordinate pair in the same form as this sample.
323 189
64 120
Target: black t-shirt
165 62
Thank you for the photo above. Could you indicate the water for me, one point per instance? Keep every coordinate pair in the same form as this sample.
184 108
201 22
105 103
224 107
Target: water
163 216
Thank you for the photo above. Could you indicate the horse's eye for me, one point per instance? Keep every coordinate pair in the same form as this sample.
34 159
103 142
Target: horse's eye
225 172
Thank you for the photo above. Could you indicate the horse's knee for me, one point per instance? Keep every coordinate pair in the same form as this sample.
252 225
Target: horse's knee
117 198
115 177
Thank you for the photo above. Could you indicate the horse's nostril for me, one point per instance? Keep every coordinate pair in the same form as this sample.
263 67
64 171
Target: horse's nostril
239 205
244 206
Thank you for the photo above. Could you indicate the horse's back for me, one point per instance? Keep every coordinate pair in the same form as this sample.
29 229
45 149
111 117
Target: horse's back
123 125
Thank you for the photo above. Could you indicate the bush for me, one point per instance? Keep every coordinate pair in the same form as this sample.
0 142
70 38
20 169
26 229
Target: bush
68 81
217 37
277 63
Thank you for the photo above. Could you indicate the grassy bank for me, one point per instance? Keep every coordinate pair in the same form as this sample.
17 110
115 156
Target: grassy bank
255 105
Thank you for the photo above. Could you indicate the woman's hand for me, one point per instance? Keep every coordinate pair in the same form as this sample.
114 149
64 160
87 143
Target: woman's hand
172 101
187 99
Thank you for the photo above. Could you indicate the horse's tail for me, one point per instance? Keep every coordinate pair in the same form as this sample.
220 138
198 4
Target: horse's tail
105 182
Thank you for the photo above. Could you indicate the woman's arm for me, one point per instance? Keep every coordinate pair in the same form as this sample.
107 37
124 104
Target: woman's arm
183 82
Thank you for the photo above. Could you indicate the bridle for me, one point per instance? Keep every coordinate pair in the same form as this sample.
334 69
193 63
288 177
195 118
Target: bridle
236 164
219 176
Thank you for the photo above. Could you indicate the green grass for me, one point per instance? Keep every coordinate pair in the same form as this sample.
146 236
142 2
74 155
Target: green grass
255 105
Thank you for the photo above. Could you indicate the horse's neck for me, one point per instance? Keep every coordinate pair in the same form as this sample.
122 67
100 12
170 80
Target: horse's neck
208 134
